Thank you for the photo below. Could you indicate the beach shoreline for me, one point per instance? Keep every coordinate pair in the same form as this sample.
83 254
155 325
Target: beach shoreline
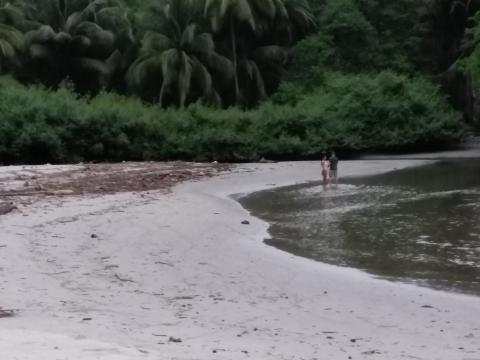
176 275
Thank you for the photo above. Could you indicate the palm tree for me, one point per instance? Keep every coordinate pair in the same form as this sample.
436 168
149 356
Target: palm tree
256 30
72 40
180 54
11 39
294 19
233 14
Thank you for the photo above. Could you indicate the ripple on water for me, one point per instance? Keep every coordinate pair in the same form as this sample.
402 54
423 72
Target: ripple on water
415 225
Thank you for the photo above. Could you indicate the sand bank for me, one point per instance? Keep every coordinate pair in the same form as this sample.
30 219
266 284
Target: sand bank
178 276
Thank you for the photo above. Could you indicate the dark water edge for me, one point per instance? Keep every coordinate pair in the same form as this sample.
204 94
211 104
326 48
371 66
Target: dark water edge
419 225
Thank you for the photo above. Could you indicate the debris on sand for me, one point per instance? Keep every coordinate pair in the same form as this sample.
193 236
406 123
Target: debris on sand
5 208
102 179
123 279
174 340
7 313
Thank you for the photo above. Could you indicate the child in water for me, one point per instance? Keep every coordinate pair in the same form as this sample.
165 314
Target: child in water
325 167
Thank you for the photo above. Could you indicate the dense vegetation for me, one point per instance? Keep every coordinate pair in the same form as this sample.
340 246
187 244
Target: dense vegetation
233 79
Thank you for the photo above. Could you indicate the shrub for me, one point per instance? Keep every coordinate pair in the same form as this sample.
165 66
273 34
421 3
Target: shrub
348 113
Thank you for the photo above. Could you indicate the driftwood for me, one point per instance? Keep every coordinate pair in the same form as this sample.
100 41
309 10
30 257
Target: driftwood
18 193
14 193
7 313
122 279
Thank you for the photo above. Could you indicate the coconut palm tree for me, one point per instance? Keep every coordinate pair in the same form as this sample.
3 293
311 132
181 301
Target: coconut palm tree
256 30
72 40
180 55
11 38
234 15
294 19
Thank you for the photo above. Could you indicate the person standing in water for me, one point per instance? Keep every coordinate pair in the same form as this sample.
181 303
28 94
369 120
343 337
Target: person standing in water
325 166
333 167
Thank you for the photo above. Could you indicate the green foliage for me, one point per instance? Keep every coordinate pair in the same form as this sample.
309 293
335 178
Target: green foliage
371 34
354 37
305 75
12 41
351 113
76 40
181 56
397 25
310 58
471 63
229 52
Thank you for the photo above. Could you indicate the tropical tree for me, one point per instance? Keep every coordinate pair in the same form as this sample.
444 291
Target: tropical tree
256 29
443 28
11 39
294 19
179 57
237 16
76 40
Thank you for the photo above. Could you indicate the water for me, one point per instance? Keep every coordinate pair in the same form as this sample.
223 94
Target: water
419 225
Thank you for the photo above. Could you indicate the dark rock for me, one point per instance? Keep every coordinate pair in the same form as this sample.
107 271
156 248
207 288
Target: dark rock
246 222
5 208
94 236
175 340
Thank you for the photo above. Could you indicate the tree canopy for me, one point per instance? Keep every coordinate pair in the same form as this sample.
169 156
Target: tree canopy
235 79
230 52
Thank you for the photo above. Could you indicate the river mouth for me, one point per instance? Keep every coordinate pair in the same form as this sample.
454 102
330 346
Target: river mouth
418 225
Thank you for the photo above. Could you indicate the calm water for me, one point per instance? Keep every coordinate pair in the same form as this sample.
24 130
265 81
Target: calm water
417 225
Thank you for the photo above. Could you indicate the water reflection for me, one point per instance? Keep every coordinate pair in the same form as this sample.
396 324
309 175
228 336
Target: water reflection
417 225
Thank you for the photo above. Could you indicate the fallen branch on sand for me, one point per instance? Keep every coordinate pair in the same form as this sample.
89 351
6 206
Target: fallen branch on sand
122 279
7 313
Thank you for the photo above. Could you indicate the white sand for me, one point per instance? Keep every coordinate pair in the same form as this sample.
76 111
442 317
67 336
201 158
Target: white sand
182 265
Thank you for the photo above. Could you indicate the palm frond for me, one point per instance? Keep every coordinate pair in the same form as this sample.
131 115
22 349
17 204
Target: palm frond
92 64
169 60
12 36
6 50
42 35
40 52
202 77
188 35
184 78
243 12
272 54
142 69
203 43
265 8
155 42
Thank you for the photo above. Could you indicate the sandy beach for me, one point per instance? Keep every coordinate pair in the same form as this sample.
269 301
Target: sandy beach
156 274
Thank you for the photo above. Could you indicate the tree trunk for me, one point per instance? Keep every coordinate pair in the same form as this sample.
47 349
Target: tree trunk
469 111
162 93
234 57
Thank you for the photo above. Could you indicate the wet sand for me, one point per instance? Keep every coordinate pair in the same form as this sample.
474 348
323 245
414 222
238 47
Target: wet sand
176 275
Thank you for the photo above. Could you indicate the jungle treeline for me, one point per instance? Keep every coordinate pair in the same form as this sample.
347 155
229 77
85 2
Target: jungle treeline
233 80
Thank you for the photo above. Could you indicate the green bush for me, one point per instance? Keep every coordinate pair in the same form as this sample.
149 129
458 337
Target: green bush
348 113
